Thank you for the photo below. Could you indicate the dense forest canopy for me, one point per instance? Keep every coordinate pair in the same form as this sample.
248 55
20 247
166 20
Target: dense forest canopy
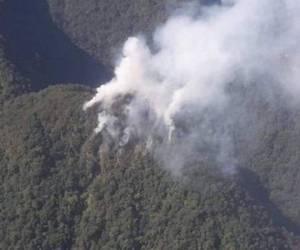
61 190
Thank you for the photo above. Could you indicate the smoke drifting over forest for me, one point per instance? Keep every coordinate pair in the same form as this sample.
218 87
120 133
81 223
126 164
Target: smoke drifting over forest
190 96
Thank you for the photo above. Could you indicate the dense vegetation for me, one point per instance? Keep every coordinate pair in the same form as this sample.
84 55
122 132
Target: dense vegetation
100 27
58 194
57 191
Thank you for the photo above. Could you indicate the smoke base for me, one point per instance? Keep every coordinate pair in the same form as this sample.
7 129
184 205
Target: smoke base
194 96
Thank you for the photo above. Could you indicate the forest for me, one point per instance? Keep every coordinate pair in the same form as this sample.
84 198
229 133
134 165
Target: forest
57 191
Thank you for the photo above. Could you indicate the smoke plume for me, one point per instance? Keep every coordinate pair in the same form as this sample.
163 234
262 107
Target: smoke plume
188 94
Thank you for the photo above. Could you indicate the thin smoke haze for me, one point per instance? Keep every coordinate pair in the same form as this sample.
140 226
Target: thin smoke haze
183 95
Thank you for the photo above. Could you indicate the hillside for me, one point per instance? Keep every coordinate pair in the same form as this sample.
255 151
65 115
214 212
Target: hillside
12 82
53 183
100 27
60 190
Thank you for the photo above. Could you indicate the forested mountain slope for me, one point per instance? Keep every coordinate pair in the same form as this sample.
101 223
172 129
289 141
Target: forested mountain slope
100 27
58 192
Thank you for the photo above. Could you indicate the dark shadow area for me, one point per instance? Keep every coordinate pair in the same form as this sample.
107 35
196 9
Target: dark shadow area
250 181
41 51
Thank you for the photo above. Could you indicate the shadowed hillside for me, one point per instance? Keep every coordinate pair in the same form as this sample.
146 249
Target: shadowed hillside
42 52
100 27
60 186
56 193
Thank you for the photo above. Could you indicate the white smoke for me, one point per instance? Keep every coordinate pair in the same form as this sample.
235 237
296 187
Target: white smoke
176 92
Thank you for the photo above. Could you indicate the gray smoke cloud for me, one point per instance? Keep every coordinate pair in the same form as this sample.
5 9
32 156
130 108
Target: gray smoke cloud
185 96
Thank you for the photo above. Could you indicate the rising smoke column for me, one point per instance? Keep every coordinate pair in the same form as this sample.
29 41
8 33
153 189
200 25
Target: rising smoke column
177 97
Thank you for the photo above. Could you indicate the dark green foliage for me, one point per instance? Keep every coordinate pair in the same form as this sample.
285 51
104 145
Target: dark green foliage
101 27
276 160
59 191
271 151
41 175
135 205
57 194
